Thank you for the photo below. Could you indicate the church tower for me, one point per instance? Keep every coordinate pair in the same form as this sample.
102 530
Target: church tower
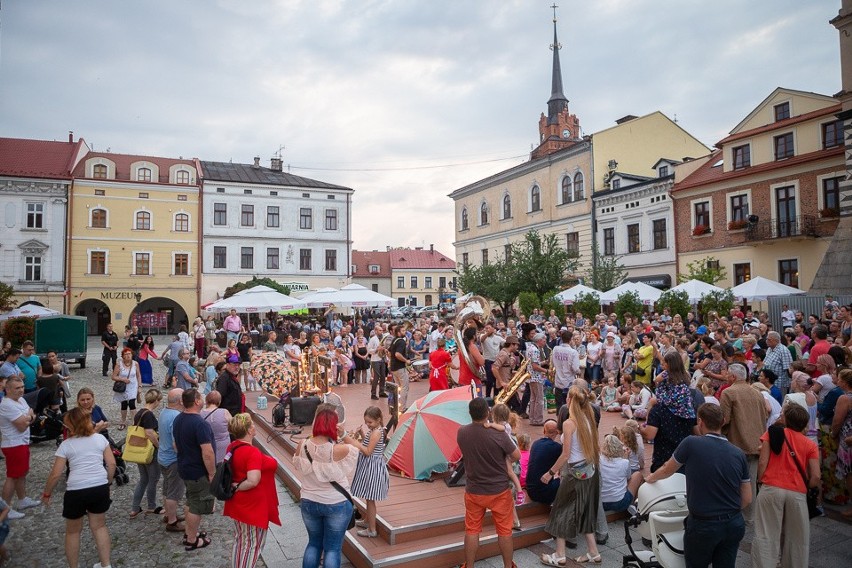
559 129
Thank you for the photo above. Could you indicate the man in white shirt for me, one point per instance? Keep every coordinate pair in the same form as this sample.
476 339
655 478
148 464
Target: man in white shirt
16 416
566 363
491 345
788 316
378 367
436 334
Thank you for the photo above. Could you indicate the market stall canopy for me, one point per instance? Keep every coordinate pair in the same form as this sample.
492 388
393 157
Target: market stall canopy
760 288
351 296
696 289
28 311
258 299
569 296
647 294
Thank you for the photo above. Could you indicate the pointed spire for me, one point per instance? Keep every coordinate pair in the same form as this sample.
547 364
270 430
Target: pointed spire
557 101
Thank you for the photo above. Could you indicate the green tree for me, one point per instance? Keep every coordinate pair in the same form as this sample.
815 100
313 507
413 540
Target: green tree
720 302
676 302
541 264
606 271
255 281
527 302
628 302
496 281
707 270
6 294
587 304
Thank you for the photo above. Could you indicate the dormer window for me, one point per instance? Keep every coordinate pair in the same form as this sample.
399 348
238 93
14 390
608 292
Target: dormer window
742 156
99 171
782 111
182 177
143 174
374 268
616 183
662 171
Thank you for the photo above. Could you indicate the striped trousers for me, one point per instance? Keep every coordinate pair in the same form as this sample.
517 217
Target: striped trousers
248 543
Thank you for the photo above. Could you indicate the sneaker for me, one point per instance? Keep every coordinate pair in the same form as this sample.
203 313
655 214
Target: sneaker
383 395
15 515
367 533
374 397
361 523
27 503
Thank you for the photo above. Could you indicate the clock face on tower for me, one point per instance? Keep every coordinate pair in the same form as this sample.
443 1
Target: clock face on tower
566 133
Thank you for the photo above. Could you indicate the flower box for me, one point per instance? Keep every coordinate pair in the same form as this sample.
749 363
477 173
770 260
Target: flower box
700 230
828 212
737 225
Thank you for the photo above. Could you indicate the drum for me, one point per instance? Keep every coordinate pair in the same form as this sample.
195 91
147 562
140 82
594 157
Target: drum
421 368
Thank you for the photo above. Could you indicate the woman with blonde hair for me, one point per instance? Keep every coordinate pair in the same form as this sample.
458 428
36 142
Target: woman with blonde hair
575 508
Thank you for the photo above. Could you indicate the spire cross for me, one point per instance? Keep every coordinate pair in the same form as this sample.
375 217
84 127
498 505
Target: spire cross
554 6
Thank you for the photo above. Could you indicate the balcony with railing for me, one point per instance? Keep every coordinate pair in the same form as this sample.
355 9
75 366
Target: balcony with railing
803 226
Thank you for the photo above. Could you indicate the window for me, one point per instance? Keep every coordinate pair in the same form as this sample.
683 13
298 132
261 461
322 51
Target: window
374 268
484 257
272 259
143 221
535 199
739 207
660 237
273 217
702 214
465 259
181 197
831 193
788 272
374 287
609 241
782 111
182 223
182 177
633 237
247 257
143 174
400 282
247 215
99 218
572 243
742 157
464 219
99 171
507 207
413 282
304 259
331 219
662 171
142 264
181 264
306 218
578 187
143 195
427 282
616 183
483 214
442 282
32 268
35 215
742 273
331 259
97 262
784 146
832 134
220 257
247 192
220 214
507 253
220 190
567 190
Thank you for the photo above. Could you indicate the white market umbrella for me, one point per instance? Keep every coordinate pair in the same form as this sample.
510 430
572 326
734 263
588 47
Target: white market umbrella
647 294
28 311
351 296
696 289
569 296
258 299
760 288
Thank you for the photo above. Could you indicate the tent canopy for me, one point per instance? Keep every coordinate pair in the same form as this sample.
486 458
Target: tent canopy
647 294
258 299
760 288
351 296
28 311
696 289
569 296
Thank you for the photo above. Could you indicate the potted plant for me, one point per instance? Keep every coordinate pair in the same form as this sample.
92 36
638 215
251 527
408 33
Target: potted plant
700 230
828 212
737 224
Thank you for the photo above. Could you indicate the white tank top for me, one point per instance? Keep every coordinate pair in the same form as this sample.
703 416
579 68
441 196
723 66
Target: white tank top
576 454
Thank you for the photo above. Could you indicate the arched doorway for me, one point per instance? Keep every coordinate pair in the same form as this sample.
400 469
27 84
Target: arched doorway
98 314
175 316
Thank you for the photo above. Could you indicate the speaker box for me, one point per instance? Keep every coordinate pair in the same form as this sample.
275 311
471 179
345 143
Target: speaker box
303 409
457 478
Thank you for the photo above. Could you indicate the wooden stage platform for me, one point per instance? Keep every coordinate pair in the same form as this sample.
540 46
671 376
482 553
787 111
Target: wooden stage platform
422 522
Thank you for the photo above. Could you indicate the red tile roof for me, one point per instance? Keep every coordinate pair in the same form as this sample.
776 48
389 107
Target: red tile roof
834 109
414 259
362 260
707 174
22 157
124 161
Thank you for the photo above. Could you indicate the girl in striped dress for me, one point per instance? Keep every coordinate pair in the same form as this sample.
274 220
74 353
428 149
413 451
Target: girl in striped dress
371 480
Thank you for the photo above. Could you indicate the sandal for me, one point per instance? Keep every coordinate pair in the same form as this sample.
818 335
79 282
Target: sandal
552 560
588 558
134 514
175 527
185 540
122 426
205 542
155 511
517 527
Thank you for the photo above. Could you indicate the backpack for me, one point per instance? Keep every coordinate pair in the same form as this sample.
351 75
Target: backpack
279 413
222 485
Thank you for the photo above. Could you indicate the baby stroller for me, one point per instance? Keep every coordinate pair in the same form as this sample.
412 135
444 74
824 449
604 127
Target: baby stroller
48 423
121 477
659 515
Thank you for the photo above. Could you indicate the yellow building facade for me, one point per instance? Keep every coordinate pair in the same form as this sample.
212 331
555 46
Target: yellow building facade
134 242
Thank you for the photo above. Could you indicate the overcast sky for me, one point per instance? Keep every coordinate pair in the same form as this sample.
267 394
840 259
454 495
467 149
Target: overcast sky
373 94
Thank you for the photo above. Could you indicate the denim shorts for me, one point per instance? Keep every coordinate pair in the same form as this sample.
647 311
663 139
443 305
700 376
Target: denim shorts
621 505
4 531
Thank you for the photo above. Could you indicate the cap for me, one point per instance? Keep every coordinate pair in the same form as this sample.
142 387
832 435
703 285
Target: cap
610 334
233 359
702 330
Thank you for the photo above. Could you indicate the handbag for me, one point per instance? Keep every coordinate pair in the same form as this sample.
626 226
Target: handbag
138 447
340 490
118 386
810 492
582 470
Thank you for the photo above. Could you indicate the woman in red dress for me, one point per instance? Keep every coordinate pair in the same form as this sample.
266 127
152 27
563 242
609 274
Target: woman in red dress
440 363
467 375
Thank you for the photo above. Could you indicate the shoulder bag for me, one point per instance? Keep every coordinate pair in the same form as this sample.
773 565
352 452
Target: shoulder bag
138 448
119 386
810 492
339 489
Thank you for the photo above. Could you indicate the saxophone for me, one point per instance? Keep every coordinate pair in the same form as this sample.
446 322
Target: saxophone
519 378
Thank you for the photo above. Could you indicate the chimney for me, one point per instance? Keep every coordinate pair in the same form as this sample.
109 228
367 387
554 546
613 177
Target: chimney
70 136
432 248
257 161
275 164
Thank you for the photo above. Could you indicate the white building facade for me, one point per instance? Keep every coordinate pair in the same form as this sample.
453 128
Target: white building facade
263 222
